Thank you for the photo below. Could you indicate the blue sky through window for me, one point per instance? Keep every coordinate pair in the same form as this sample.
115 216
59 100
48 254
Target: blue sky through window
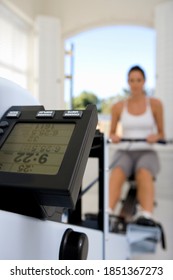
102 57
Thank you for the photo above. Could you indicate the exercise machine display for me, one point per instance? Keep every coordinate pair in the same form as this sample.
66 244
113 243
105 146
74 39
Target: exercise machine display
43 155
45 152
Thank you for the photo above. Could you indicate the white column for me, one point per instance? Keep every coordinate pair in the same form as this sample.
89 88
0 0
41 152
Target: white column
50 56
164 61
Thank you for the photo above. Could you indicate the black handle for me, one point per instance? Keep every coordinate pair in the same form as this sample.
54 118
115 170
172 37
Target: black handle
161 141
74 246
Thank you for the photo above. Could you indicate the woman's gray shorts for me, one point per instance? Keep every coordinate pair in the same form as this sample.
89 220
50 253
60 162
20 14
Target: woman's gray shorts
131 161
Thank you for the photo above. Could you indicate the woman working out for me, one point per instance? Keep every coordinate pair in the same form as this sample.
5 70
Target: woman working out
140 117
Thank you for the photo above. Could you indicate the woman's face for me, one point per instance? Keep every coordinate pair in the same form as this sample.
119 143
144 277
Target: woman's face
136 82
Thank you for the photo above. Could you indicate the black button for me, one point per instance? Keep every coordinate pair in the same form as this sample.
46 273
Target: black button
73 114
45 114
1 131
4 124
13 114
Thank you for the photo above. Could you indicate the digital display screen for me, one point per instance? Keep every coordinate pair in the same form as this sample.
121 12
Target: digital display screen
35 148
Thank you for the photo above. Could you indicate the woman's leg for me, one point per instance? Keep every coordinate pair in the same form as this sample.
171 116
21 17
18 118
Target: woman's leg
147 168
117 179
145 189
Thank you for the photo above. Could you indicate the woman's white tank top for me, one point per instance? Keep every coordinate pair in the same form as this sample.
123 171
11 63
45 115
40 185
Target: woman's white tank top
137 126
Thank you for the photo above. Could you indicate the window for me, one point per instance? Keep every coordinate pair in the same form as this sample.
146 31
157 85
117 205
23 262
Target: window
15 41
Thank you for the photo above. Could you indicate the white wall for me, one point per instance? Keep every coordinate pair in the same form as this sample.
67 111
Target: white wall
50 62
164 60
80 15
26 8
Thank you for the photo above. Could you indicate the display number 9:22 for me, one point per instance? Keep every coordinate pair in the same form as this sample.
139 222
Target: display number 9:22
28 157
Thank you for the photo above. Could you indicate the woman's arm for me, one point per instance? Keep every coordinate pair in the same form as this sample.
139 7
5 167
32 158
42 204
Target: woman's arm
157 109
115 116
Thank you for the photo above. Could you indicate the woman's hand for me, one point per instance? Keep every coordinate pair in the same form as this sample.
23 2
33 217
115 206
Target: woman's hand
115 138
153 138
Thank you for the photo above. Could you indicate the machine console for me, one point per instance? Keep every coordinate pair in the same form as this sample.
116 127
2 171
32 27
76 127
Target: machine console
44 153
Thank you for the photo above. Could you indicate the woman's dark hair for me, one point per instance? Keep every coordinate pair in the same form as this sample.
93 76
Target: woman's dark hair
137 68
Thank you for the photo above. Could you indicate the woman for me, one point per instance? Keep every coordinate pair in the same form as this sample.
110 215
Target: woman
140 117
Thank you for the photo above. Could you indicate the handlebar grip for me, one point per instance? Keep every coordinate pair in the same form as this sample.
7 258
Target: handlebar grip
161 141
132 140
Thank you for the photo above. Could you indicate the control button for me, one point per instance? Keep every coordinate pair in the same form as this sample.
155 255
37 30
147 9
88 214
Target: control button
1 131
45 114
74 246
13 114
72 114
4 124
